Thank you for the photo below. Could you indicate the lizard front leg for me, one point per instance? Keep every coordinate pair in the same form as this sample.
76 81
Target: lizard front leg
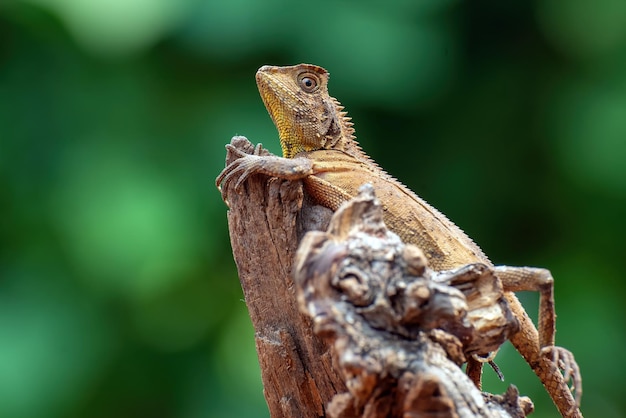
258 161
555 366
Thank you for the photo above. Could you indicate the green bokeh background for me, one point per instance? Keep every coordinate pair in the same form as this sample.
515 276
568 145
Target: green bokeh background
118 293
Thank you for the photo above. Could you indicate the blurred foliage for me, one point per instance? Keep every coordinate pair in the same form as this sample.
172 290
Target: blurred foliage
118 293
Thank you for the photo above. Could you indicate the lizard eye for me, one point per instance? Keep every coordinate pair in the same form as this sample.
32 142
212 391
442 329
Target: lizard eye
308 82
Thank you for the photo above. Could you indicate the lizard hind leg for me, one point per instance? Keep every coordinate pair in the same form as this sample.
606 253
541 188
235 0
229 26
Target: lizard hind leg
515 279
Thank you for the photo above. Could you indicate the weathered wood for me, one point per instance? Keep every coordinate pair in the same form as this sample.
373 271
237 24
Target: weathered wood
399 330
296 367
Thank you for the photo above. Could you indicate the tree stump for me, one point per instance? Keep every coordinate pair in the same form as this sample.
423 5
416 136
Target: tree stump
296 366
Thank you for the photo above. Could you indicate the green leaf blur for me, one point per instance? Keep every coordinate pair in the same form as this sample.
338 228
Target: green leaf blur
118 293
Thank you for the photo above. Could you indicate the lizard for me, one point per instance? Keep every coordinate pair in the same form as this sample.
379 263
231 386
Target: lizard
319 148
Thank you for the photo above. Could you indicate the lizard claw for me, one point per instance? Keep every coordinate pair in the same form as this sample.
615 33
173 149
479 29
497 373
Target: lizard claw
489 360
258 150
565 362
244 159
242 166
238 170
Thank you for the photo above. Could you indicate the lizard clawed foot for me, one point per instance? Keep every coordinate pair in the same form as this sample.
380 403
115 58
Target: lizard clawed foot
565 362
245 164
258 160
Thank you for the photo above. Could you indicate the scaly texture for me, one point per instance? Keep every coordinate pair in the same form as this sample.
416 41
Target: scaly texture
319 147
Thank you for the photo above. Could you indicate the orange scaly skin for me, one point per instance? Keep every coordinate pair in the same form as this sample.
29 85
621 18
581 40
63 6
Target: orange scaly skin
319 148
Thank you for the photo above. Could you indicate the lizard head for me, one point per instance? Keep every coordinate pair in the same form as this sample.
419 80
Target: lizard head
306 117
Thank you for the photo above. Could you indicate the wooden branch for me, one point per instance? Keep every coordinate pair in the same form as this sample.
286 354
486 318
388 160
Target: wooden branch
375 332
